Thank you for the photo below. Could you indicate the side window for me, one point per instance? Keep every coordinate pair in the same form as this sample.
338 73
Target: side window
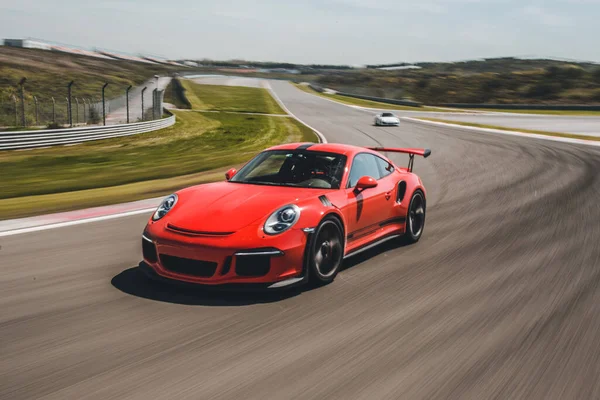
363 165
385 168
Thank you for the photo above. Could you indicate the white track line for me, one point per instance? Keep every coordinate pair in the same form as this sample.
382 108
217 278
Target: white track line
503 132
76 222
322 137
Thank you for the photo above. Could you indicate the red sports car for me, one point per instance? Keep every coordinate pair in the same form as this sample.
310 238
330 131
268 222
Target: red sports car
289 216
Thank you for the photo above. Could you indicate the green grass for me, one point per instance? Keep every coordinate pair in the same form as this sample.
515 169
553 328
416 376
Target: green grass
197 143
503 128
230 98
544 112
369 103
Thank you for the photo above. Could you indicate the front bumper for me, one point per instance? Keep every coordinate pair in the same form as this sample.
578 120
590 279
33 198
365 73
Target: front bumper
239 260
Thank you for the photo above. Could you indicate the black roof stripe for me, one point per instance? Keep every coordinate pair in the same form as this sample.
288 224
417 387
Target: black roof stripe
304 146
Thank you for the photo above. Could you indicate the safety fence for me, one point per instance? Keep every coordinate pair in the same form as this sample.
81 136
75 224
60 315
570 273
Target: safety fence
54 137
23 106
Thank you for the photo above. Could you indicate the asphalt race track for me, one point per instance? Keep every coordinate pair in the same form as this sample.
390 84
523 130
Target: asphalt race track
500 298
580 125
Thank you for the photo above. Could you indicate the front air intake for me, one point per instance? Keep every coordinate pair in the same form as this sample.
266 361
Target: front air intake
149 251
252 265
186 266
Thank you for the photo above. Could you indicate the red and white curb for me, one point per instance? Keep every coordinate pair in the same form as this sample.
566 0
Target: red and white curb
64 219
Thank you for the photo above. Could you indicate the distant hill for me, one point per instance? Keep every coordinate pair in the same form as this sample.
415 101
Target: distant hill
490 65
495 81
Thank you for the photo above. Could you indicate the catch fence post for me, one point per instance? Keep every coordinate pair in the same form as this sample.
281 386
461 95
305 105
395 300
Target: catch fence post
127 100
154 104
37 121
69 104
77 102
22 90
84 114
16 111
104 104
143 90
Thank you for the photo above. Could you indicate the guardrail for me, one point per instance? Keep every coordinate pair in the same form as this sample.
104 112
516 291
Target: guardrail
55 137
408 103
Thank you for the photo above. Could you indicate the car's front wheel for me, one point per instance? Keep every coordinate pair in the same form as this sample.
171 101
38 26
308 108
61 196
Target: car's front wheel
326 252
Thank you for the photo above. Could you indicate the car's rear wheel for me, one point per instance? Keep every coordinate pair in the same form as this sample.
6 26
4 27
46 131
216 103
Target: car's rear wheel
415 219
326 252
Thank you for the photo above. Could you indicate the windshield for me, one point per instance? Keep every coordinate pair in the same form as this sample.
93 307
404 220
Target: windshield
307 169
387 115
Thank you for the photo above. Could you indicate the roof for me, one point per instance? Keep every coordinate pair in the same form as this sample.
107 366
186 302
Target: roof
339 148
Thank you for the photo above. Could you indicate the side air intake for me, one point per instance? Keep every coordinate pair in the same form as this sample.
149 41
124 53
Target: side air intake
401 191
325 201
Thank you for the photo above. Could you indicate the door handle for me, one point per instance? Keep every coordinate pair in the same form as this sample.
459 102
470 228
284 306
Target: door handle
388 195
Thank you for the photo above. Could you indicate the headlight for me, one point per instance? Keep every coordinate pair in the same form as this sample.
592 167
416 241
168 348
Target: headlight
165 207
282 219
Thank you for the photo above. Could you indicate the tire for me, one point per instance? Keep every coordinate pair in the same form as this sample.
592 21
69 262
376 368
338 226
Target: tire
326 252
415 218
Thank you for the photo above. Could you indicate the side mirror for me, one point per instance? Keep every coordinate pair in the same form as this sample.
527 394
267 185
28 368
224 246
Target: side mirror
366 182
229 174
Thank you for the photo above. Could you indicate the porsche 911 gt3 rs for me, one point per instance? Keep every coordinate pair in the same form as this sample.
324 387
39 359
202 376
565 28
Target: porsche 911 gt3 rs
289 216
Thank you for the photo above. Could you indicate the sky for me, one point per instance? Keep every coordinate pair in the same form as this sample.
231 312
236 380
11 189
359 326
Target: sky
351 32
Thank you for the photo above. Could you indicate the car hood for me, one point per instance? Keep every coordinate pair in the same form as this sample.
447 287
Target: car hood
390 119
229 207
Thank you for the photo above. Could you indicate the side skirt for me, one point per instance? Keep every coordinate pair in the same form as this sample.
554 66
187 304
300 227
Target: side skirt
371 245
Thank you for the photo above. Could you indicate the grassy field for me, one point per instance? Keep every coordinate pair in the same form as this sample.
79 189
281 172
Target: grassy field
369 103
198 148
230 98
503 128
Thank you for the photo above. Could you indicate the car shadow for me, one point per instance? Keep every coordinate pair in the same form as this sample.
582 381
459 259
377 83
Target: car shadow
367 255
135 282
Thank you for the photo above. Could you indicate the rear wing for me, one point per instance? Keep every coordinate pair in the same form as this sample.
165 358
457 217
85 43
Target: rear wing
411 152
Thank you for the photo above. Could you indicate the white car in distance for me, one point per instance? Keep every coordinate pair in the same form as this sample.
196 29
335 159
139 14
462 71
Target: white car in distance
387 119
